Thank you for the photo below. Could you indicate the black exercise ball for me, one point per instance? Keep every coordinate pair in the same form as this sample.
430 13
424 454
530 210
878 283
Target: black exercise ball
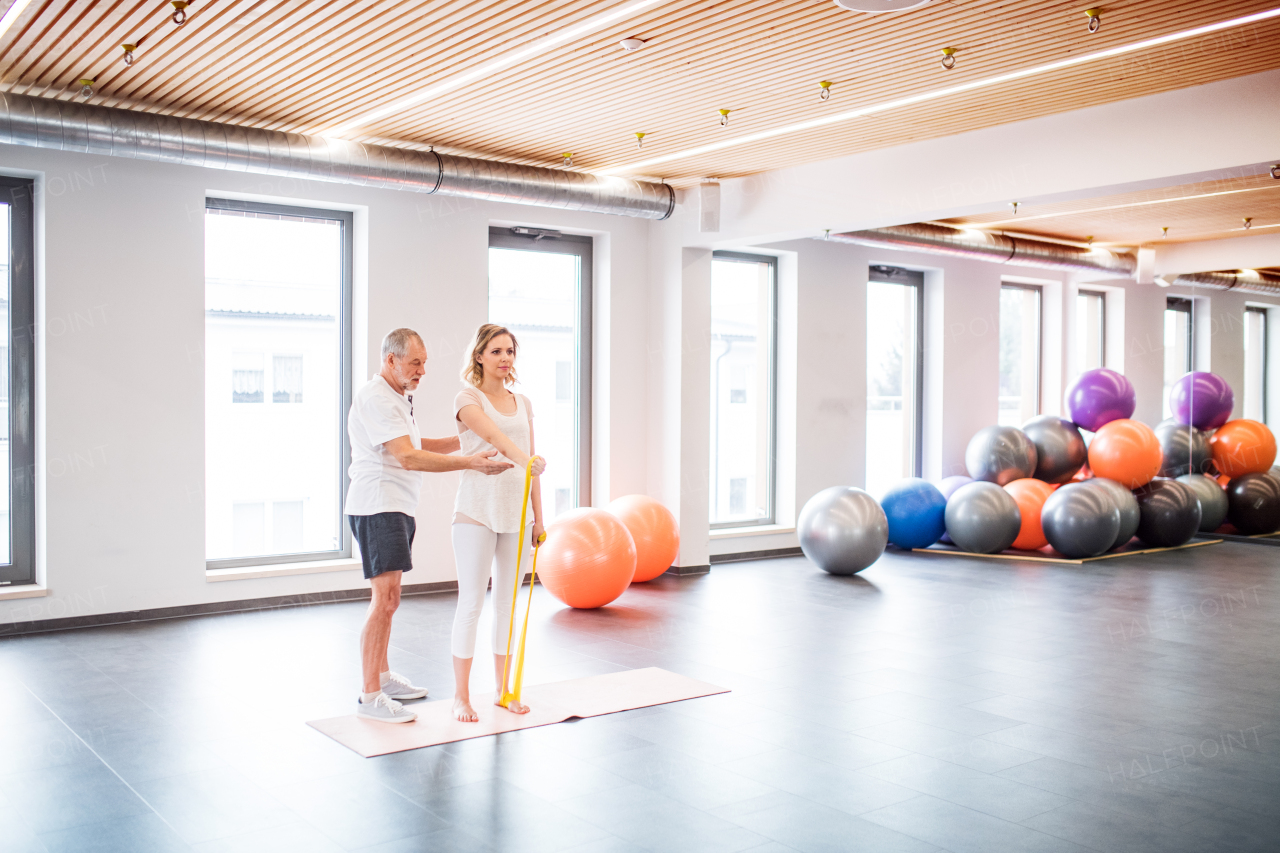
1253 503
1169 513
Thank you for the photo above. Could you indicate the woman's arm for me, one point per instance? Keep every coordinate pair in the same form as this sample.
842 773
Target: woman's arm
482 425
442 445
538 527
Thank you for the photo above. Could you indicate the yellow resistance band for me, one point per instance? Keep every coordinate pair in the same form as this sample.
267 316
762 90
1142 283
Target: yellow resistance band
514 693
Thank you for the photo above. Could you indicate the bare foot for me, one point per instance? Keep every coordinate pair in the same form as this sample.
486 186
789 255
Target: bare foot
513 706
464 712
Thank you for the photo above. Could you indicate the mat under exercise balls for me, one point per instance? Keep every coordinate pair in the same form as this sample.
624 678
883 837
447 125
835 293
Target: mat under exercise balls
1095 484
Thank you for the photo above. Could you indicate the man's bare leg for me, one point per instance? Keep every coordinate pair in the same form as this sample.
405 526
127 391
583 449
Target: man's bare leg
376 635
499 665
462 691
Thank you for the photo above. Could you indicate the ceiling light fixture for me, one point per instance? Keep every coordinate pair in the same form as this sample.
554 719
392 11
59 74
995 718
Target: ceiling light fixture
1275 171
492 67
948 58
179 12
1014 205
1095 19
825 92
1248 222
961 88
631 44
568 159
128 53
876 7
724 117
86 87
11 14
1164 232
640 139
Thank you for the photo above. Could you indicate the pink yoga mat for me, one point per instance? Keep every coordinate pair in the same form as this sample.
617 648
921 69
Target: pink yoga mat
549 703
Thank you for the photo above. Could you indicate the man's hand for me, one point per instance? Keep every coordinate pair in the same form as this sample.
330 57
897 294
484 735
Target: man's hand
486 464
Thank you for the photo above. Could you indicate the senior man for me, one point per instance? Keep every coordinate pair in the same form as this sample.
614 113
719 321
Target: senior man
387 454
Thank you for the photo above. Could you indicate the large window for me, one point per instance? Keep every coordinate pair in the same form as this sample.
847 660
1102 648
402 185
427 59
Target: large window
1255 363
895 327
1019 353
1179 340
743 331
17 383
277 382
1091 330
540 289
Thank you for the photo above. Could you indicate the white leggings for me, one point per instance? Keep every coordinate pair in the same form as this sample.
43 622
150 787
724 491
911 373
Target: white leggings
477 550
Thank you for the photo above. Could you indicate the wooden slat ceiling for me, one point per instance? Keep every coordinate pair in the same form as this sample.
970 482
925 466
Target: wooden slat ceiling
1206 210
308 65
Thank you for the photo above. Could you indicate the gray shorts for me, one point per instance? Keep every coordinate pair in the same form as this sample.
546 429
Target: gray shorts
386 541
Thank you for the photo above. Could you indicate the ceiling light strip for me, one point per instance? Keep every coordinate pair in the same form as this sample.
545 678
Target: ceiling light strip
947 92
11 15
1120 206
501 63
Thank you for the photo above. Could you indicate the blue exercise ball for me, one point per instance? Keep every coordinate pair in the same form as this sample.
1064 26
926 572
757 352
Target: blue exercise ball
916 511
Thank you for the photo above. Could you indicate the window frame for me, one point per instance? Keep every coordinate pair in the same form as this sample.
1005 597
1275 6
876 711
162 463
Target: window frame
19 194
1186 306
530 239
915 279
771 444
1039 371
1102 323
1266 356
346 219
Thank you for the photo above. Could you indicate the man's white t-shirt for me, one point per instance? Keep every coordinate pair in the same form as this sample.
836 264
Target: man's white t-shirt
378 482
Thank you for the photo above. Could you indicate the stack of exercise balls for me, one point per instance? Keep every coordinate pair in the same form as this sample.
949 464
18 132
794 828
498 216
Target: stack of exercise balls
591 556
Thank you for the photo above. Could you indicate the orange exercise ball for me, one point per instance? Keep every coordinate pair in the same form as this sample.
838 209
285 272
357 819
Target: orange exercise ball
653 528
1126 451
1030 496
1243 447
588 559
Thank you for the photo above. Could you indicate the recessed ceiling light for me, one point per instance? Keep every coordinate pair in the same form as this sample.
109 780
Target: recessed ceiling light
876 6
631 44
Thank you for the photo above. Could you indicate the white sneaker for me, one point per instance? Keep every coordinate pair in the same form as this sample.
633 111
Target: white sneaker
398 687
384 709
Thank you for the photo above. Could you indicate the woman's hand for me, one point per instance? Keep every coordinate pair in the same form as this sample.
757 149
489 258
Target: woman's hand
539 465
538 533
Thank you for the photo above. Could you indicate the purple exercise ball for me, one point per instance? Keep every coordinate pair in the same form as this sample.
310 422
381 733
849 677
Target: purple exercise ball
948 486
1203 400
1099 397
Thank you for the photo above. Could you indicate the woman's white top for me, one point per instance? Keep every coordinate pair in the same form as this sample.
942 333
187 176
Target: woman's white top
493 499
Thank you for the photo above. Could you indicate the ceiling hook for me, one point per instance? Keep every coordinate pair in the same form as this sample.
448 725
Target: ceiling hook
826 90
1095 19
179 11
724 118
640 139
948 58
128 53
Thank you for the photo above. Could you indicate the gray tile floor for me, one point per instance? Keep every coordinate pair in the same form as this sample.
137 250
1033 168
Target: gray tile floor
932 704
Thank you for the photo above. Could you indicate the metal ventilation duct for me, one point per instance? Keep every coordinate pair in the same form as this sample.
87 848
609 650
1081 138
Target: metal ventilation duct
1241 281
996 248
72 126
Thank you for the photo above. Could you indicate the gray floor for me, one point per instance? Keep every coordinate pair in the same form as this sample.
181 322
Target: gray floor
935 703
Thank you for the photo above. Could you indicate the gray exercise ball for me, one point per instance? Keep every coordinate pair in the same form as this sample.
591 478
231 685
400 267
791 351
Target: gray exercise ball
983 518
1124 500
843 530
1080 520
1060 450
1213 500
1000 455
1170 513
1185 449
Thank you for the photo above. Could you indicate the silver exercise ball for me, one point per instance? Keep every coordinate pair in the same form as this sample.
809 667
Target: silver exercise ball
1080 520
1000 455
1184 449
1124 500
843 530
1060 450
983 518
1213 500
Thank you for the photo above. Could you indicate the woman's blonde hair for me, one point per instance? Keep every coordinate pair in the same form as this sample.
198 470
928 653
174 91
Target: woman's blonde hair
472 371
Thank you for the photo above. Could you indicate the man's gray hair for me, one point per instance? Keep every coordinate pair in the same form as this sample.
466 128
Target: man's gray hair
397 342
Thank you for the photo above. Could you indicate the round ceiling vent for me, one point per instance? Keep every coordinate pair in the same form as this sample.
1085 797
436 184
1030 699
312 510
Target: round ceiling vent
875 6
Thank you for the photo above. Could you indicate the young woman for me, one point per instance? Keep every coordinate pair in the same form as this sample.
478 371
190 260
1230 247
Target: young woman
486 519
